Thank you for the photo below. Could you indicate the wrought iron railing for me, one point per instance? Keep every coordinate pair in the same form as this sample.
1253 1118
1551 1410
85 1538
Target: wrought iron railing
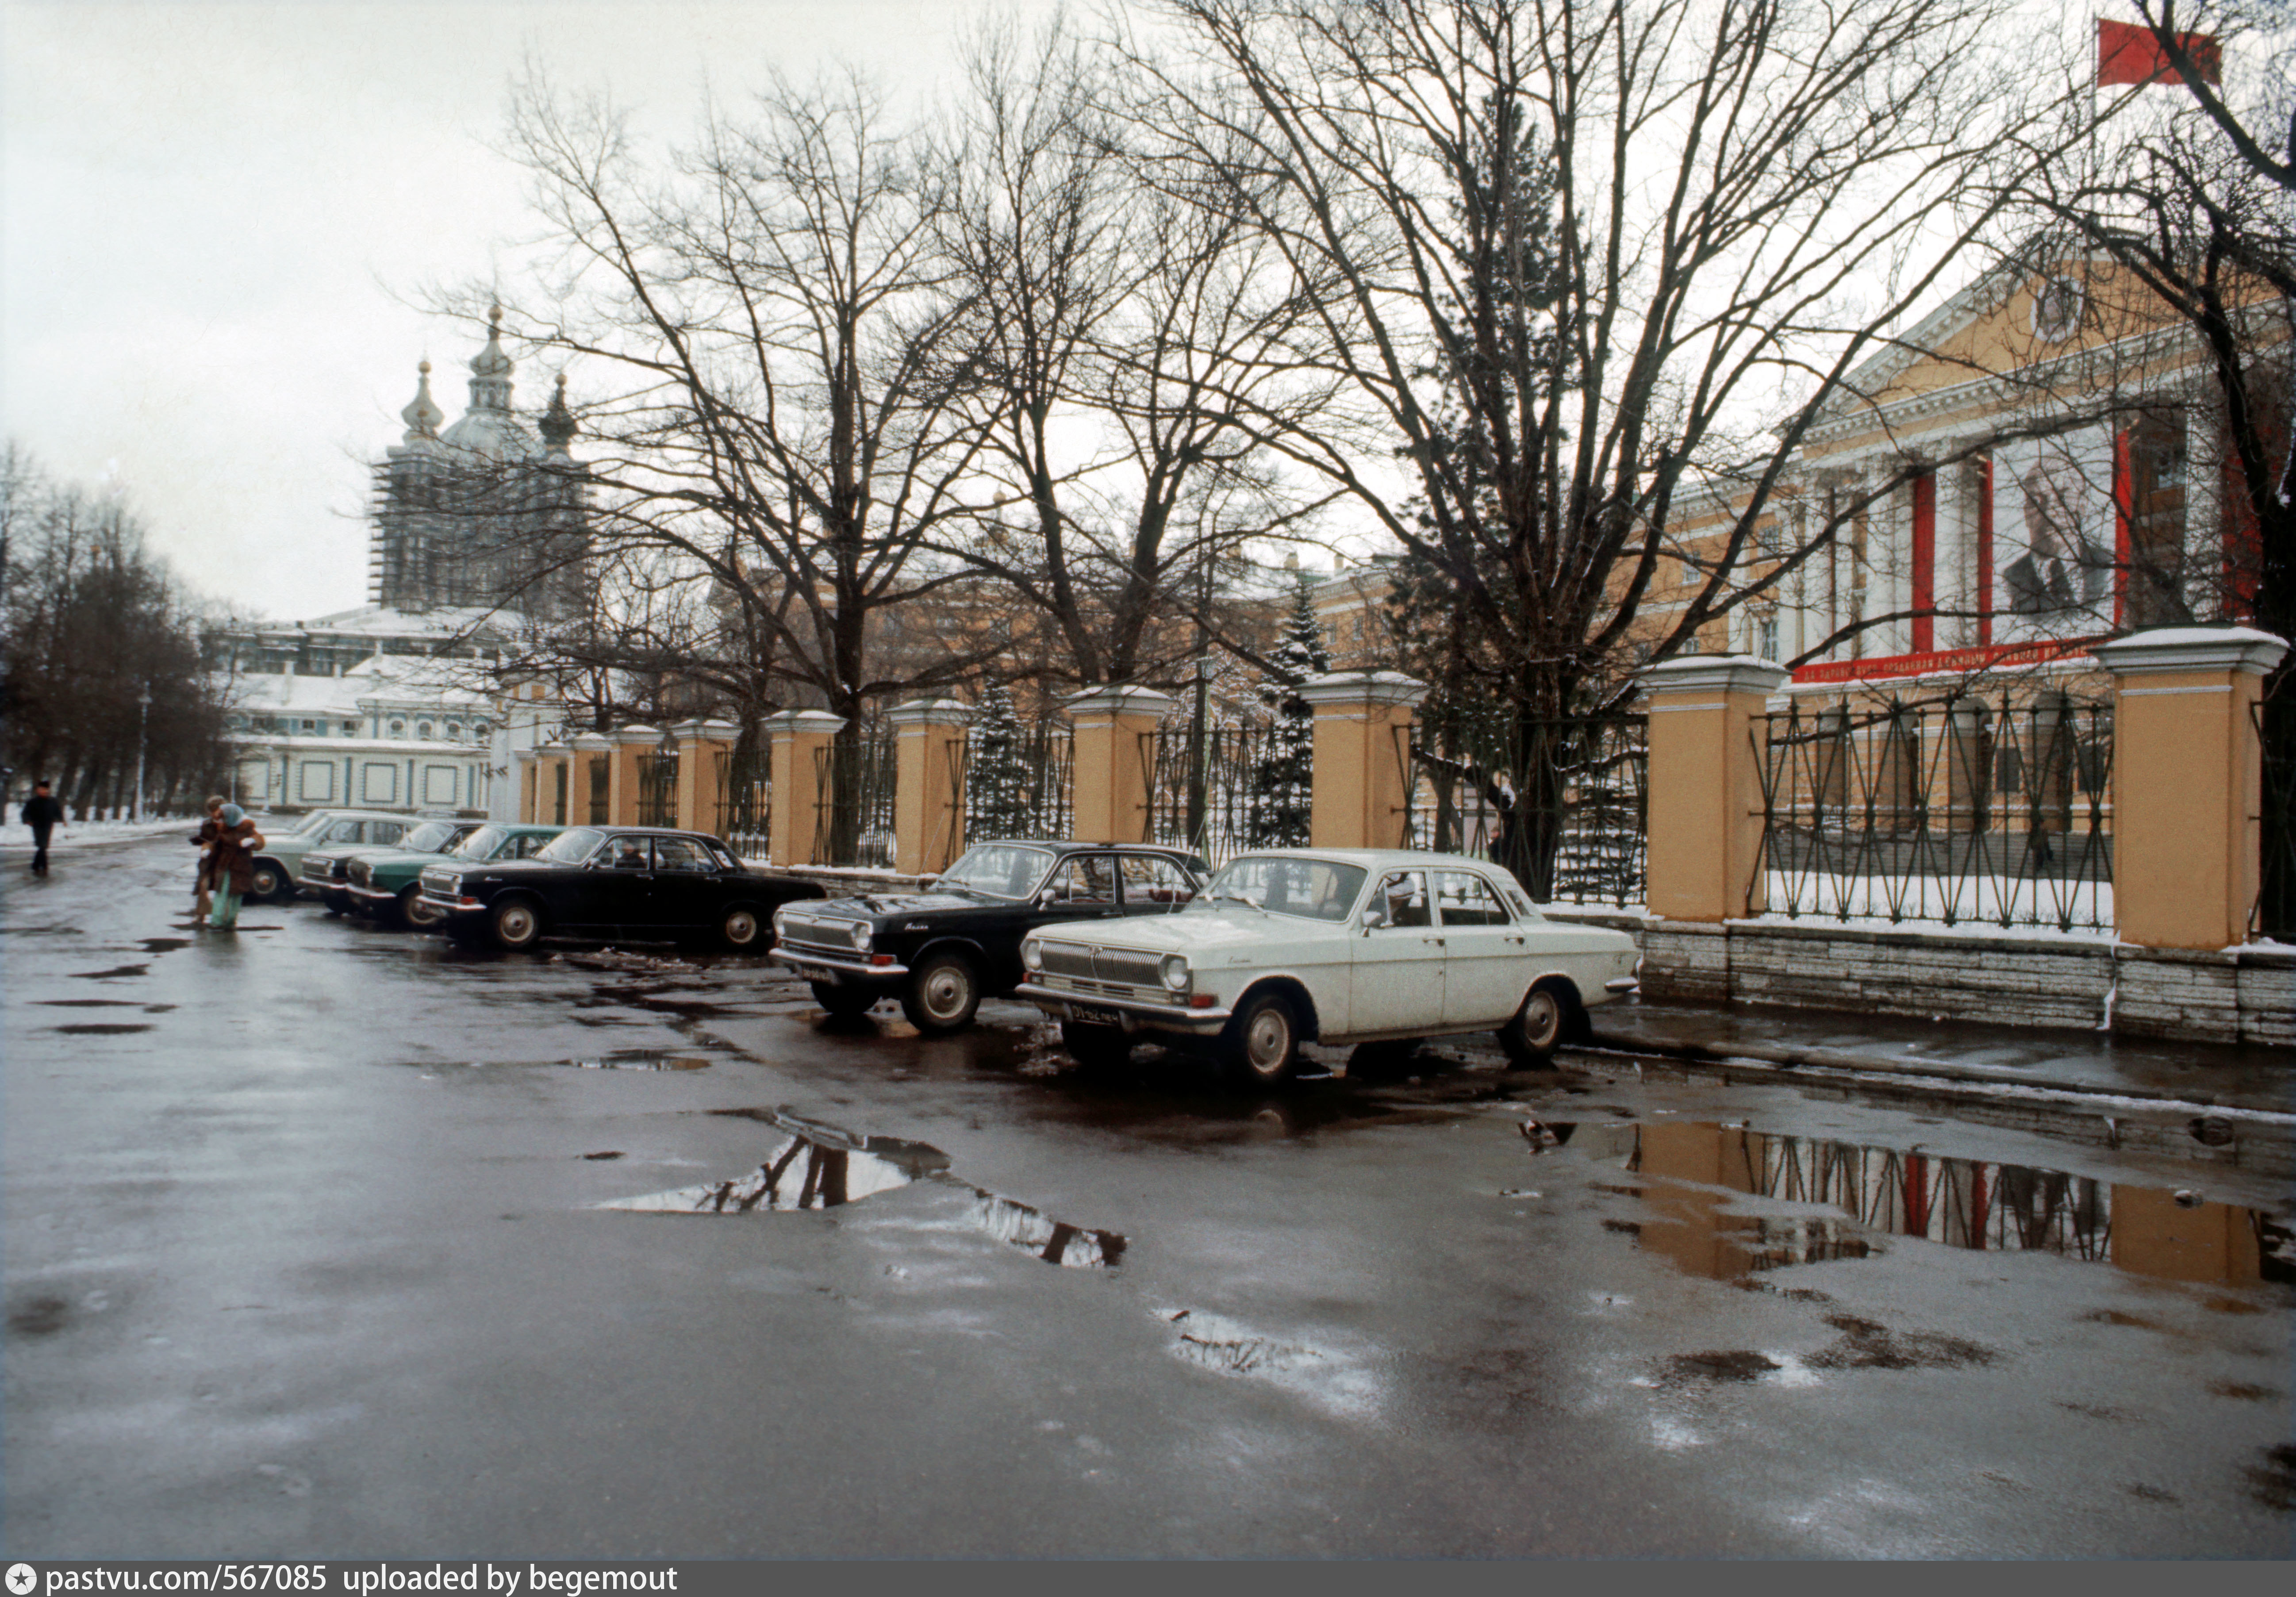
1228 789
657 790
1953 809
2274 718
853 788
1019 784
742 811
1561 802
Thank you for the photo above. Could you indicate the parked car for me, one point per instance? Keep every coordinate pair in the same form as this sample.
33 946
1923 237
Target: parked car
326 870
941 951
280 861
387 883
1332 946
643 883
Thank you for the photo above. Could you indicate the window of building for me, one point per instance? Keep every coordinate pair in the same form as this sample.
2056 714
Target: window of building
1766 635
480 729
310 728
454 729
399 729
422 729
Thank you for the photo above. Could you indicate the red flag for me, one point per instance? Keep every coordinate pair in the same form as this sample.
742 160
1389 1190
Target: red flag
2131 53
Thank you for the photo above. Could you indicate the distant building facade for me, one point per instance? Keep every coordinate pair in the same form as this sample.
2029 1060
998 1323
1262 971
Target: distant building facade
481 538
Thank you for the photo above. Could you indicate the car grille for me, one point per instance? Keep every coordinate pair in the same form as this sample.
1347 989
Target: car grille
1086 986
319 868
361 872
441 884
830 939
1128 966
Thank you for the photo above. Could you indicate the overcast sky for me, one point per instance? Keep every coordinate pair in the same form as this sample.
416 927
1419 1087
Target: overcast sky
214 217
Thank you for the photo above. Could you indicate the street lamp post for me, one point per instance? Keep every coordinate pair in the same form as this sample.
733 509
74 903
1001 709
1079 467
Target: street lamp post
143 743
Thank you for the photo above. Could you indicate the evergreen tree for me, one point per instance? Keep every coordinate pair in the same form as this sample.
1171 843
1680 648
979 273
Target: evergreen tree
999 782
1283 777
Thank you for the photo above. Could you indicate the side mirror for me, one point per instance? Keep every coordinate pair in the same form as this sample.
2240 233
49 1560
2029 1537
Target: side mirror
1373 919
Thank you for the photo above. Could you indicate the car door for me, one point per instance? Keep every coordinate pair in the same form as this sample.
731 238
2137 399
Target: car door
619 886
1154 884
1486 965
1396 974
687 890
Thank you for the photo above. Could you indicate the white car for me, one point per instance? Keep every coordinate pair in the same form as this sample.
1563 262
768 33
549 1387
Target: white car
1332 946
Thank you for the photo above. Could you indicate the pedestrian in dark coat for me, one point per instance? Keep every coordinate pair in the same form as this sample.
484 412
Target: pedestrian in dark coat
231 870
43 814
204 840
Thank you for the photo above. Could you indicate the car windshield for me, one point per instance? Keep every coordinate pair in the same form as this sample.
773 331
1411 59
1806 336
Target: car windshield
1000 870
312 821
430 838
571 848
1315 889
479 844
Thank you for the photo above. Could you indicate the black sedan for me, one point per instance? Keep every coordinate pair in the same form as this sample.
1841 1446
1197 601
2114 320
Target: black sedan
640 883
941 951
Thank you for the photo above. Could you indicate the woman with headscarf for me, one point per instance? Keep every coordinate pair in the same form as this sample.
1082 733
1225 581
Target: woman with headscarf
231 867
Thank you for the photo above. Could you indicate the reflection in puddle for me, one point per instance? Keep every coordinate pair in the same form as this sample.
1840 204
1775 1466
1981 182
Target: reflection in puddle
1225 1346
98 1029
825 1166
106 975
1703 1170
641 1059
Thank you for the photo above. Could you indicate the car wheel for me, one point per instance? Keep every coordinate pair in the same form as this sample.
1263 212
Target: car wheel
1530 1038
415 914
942 995
844 1002
740 930
1095 1047
1371 1060
270 882
1263 1048
515 924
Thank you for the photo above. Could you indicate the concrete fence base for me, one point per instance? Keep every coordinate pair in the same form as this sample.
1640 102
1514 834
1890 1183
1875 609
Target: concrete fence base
2247 995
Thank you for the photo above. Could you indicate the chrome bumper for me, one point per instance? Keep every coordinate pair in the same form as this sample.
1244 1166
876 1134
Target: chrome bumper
820 967
1621 984
1137 1015
377 895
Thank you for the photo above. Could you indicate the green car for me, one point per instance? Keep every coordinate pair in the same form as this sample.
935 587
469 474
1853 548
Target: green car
325 870
387 882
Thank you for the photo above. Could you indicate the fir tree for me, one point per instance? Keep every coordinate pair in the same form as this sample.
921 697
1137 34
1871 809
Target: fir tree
1283 777
998 787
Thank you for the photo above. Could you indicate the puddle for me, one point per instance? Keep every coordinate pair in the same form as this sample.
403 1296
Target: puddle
1868 1345
85 1003
169 945
1832 1200
38 1316
825 1166
115 970
100 1029
1224 1346
1718 1366
641 1059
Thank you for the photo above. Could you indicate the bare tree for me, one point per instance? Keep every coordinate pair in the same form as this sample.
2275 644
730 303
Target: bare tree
773 305
1594 262
1112 327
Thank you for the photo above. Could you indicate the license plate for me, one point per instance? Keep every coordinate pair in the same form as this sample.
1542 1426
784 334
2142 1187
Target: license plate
1092 1015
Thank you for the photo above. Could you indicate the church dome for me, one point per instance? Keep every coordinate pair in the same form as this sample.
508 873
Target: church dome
489 429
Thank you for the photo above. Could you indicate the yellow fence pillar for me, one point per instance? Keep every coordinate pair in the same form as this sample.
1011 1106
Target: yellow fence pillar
927 793
630 744
701 746
1705 785
801 739
1362 783
2187 778
587 798
1114 734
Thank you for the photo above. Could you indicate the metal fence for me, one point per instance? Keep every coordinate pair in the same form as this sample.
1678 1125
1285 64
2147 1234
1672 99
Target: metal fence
1953 809
1564 803
1226 789
1021 785
744 788
601 809
658 790
2274 720
853 786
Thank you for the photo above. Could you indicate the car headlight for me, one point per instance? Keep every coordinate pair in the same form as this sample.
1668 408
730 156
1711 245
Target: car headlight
860 936
780 916
1174 971
1032 954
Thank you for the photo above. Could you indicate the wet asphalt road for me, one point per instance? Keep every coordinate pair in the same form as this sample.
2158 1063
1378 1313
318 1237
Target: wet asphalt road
311 1251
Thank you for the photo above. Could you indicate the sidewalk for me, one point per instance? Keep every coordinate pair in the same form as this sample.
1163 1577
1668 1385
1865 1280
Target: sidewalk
2003 1060
16 839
